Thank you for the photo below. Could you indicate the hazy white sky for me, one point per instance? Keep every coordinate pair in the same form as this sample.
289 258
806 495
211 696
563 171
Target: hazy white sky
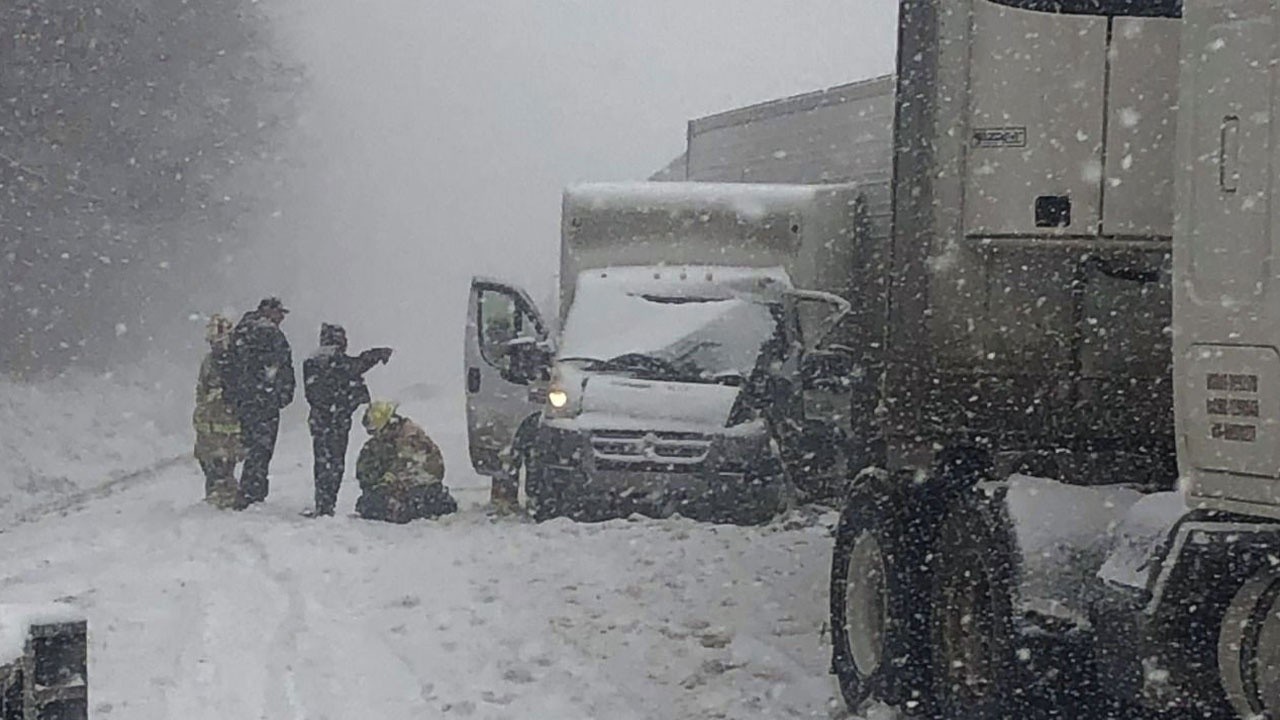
439 134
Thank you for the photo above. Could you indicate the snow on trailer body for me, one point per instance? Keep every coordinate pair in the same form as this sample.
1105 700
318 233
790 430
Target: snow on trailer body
679 382
842 134
1036 269
43 662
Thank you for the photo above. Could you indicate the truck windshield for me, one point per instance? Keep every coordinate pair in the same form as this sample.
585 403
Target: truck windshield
694 339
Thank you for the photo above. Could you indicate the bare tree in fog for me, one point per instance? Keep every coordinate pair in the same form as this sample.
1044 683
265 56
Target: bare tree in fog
138 146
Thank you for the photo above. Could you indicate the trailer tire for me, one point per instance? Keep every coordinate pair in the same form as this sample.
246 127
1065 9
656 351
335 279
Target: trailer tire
973 657
876 624
1249 647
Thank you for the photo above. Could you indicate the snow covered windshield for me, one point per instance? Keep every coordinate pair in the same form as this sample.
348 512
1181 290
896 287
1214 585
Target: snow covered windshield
673 337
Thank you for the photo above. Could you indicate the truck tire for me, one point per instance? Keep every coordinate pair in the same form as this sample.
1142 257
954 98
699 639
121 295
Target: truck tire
544 501
972 639
1249 647
878 598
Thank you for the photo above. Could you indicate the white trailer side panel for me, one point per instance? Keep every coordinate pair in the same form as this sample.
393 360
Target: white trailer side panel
1141 124
843 134
1227 357
1036 106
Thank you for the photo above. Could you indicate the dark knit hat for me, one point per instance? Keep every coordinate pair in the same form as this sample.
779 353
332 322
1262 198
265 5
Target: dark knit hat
332 335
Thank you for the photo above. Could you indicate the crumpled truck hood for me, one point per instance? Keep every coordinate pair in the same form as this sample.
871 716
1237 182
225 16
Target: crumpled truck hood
656 403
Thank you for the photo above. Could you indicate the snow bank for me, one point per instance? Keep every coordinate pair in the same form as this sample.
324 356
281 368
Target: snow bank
197 613
76 432
16 622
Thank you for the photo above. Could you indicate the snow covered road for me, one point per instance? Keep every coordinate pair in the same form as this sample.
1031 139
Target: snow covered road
196 613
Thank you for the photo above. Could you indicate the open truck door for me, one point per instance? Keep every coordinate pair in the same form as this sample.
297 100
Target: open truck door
508 360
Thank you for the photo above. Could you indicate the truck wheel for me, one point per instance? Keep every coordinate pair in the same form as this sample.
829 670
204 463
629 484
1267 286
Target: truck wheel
877 601
973 657
1249 647
543 501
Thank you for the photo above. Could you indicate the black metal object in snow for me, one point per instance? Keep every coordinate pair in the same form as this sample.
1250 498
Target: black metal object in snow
51 679
1113 8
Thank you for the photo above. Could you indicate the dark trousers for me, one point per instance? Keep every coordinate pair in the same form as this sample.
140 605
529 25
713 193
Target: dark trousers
329 442
258 433
217 473
402 505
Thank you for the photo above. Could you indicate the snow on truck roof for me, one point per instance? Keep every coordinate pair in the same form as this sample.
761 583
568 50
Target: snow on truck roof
687 280
738 198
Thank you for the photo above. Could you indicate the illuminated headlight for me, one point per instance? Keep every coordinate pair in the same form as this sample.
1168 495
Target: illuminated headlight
564 393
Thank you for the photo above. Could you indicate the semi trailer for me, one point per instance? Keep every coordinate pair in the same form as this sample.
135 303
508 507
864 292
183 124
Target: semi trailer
1081 487
842 134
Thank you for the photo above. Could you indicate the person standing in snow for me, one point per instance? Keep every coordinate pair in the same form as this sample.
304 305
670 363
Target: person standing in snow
334 385
263 384
401 471
218 446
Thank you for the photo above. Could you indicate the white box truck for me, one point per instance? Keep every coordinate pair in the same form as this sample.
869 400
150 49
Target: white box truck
687 357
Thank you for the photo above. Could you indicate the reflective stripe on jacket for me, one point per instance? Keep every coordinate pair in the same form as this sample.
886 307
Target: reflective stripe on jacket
215 422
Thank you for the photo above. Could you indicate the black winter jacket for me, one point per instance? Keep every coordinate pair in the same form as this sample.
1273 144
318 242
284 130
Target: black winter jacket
334 384
262 379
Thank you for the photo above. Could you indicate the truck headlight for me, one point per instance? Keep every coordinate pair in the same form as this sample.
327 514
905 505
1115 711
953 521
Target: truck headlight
561 403
557 398
564 393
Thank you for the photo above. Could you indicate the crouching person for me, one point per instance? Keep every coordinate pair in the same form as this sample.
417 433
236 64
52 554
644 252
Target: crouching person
218 446
401 471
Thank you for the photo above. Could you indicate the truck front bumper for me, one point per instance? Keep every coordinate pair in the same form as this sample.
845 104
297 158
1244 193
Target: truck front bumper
597 473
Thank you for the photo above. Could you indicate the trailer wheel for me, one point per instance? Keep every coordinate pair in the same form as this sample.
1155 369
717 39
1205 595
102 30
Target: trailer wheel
876 599
1249 647
972 630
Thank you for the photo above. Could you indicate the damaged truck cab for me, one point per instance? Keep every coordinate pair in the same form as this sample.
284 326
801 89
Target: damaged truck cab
686 358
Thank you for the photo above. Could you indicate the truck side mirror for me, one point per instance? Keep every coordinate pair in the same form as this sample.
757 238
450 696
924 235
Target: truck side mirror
530 361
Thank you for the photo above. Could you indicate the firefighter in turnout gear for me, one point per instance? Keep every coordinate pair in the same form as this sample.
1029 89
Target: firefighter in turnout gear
401 471
218 447
334 386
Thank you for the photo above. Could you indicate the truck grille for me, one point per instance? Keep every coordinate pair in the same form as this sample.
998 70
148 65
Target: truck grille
644 451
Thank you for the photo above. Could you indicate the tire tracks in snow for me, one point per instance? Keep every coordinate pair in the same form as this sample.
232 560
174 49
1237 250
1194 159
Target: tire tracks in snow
281 698
76 501
103 542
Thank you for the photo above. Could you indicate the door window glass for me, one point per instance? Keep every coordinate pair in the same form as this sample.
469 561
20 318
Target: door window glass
502 320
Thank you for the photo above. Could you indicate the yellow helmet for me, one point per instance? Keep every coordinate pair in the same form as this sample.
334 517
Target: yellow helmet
218 331
378 414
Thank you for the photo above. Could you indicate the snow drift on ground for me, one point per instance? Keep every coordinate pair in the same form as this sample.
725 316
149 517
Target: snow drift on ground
64 436
196 613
